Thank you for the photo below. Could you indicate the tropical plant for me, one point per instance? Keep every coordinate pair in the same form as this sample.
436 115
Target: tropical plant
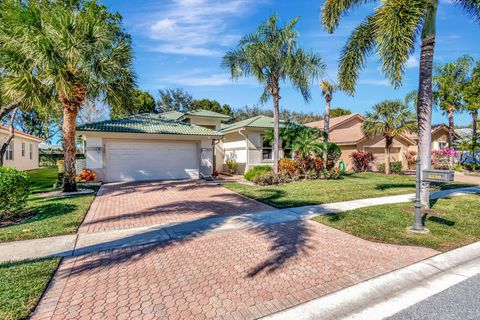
361 161
391 31
14 191
328 89
471 95
307 144
390 119
76 50
253 172
272 55
448 83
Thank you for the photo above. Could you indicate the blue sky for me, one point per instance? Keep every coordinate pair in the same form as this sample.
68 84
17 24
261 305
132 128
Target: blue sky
180 43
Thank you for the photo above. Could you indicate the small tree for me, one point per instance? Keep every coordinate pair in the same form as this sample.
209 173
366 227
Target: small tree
390 119
272 55
471 94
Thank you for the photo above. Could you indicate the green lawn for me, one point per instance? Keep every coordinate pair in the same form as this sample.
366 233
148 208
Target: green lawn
22 284
453 222
47 217
310 192
43 179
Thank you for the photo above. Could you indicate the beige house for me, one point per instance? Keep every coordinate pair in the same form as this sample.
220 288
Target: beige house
22 152
346 131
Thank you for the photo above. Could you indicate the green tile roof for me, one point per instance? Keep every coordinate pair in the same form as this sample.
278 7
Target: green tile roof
148 123
177 115
262 122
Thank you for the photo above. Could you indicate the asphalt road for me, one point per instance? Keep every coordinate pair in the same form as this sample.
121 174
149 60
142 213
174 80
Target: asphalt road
459 302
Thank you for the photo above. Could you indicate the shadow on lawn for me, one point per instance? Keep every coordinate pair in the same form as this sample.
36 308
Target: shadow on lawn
385 186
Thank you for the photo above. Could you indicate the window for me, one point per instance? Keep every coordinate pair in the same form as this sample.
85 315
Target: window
9 153
23 149
267 152
31 151
287 152
442 145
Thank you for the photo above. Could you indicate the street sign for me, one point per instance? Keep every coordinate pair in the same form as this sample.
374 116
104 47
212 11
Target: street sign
438 175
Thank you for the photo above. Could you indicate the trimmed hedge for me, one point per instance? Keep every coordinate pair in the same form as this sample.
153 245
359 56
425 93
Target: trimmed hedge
395 167
252 173
14 191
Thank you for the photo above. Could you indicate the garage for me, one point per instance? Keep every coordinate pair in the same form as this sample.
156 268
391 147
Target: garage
151 160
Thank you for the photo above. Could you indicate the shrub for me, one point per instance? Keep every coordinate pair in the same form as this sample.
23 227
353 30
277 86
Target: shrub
309 163
411 157
361 161
232 166
288 166
87 175
266 179
14 191
252 173
395 167
443 159
333 155
333 174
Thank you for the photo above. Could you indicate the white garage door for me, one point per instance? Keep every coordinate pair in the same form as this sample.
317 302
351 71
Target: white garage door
137 161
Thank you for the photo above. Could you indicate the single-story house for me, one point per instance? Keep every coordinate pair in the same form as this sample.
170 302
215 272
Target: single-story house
346 131
22 152
173 145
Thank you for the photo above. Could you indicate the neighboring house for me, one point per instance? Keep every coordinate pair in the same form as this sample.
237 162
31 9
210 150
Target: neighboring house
346 131
243 141
173 145
152 146
22 152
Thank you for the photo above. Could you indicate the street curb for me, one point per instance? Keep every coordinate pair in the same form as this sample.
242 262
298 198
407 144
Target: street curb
374 298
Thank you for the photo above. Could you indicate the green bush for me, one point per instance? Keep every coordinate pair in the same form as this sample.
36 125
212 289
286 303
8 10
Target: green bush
14 191
333 174
266 179
252 173
395 167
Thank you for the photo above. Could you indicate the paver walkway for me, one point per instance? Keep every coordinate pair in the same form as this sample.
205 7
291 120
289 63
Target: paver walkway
261 265
242 274
128 205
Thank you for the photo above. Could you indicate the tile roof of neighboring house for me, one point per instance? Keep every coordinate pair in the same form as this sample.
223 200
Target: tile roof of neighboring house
466 133
262 122
150 123
177 115
21 133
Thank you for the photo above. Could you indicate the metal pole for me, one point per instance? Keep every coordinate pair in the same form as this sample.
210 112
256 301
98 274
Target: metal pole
418 225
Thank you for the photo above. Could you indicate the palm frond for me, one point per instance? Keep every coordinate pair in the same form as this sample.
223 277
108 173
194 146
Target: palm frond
472 7
333 10
354 55
396 24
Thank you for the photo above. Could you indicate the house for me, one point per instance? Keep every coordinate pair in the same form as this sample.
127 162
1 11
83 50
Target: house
244 141
346 131
173 145
22 152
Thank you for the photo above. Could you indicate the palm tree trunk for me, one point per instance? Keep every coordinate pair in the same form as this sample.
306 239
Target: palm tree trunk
424 107
11 134
474 135
276 125
451 126
387 157
326 130
8 108
69 148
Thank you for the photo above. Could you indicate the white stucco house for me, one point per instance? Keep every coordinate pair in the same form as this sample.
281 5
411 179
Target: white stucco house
172 145
22 152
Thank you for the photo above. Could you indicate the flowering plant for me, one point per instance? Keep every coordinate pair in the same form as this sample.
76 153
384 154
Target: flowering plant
443 159
87 175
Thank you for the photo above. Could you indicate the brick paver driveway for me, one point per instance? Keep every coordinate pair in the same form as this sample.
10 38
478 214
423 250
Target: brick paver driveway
241 274
127 205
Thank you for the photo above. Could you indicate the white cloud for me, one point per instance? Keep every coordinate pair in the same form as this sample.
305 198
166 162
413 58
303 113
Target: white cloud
412 62
203 77
196 27
375 82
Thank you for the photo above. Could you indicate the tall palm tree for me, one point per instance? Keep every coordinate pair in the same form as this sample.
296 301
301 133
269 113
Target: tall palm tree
327 92
271 55
390 118
471 95
391 31
449 80
78 50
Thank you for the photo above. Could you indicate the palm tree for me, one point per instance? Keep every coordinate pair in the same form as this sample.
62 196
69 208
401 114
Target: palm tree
272 55
327 92
449 81
78 50
391 31
390 118
306 143
471 95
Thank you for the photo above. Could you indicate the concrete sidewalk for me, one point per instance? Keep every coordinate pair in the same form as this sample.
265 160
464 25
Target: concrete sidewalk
390 293
83 243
